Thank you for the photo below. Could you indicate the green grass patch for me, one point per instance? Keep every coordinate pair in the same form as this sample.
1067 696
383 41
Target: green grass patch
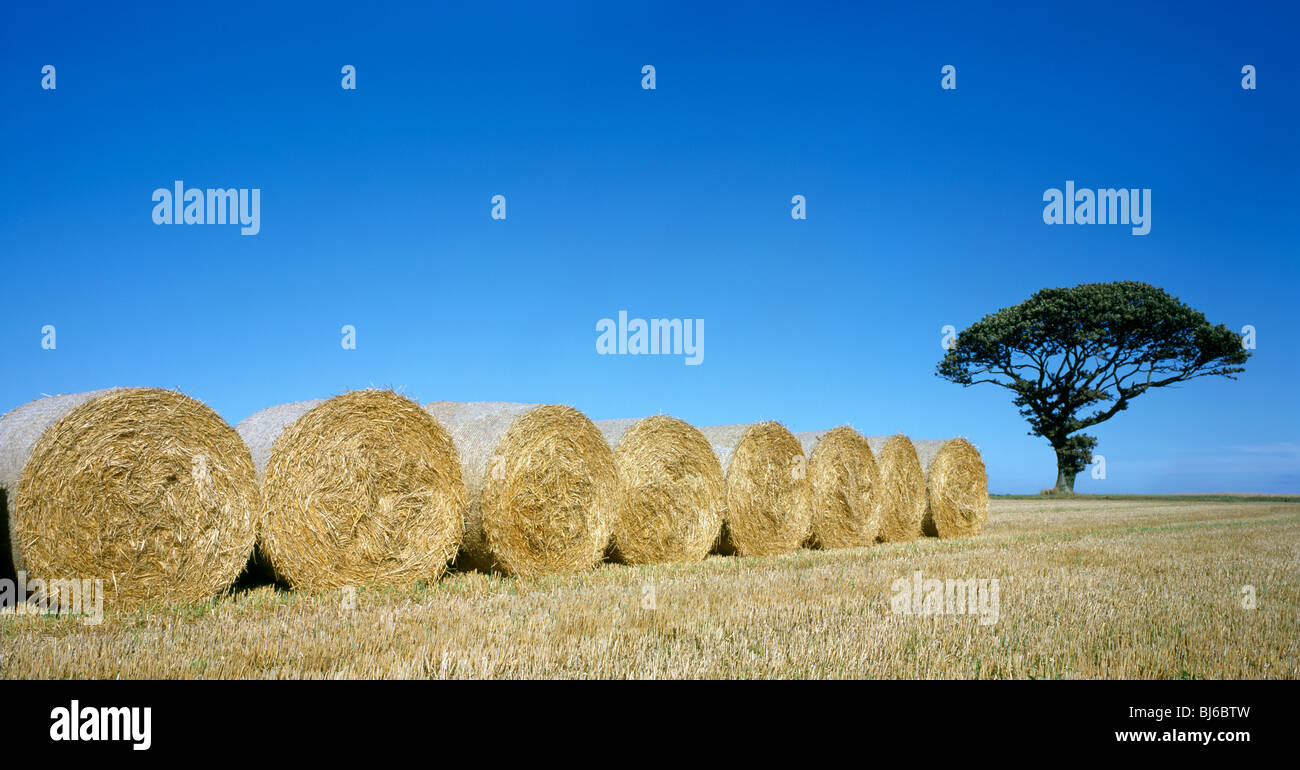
1161 498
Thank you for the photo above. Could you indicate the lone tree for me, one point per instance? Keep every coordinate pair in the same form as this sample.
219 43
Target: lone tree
1099 345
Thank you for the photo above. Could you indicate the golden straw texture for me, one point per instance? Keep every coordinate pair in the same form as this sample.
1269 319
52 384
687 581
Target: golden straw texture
542 486
671 493
956 488
902 485
846 509
361 489
148 490
769 499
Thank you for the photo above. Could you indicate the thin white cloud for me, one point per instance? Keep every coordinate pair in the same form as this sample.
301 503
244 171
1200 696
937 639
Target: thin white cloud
1275 448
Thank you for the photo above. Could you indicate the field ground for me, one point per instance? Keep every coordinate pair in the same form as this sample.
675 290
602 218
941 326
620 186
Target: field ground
1107 588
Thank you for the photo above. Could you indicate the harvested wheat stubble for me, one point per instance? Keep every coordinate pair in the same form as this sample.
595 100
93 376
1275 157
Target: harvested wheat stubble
148 490
542 486
670 491
845 482
956 488
902 487
361 489
769 499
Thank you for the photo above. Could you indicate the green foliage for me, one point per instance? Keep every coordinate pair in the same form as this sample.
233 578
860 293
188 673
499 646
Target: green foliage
1095 346
1075 454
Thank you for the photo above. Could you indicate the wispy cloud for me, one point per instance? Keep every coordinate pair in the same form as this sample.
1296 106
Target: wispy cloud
1276 448
1279 457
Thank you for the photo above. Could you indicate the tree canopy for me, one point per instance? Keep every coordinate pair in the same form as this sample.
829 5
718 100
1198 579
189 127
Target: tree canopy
1076 357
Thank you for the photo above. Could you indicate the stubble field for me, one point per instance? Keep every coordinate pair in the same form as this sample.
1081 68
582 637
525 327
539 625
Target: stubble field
1093 588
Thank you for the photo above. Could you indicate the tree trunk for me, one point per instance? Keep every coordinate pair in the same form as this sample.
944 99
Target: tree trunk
1065 474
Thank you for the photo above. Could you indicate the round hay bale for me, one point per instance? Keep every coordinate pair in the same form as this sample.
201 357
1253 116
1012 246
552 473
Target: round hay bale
670 491
542 486
361 489
845 482
956 488
902 487
769 499
148 490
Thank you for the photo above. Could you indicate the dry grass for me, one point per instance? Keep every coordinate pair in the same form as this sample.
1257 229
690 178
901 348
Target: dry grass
1105 589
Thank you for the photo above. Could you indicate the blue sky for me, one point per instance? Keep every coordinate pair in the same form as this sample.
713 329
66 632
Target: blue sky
924 208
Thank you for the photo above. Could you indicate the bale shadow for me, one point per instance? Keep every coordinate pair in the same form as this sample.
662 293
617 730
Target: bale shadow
468 567
258 573
7 569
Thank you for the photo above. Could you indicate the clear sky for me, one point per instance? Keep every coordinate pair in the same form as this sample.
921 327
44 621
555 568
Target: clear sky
924 207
